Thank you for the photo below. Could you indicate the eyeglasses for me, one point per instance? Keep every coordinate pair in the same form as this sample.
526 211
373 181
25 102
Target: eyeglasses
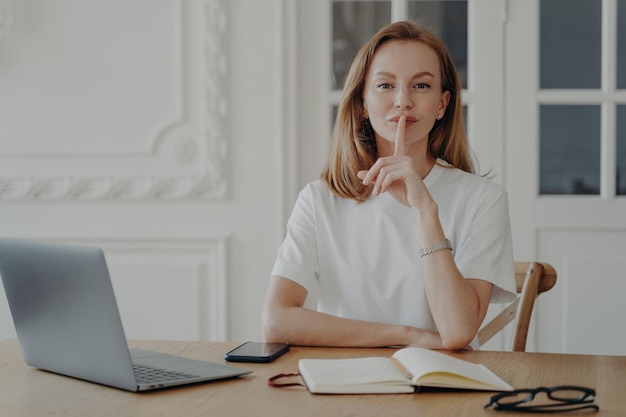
562 398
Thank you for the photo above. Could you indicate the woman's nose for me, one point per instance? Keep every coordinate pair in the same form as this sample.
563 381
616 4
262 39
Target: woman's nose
403 99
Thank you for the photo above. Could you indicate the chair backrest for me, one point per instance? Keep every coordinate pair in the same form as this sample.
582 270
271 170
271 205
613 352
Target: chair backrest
532 279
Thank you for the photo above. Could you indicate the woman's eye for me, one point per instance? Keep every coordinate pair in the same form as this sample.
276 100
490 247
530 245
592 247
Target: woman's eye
421 86
384 86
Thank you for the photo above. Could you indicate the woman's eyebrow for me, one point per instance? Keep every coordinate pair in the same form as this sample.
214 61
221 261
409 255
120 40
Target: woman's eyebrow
416 75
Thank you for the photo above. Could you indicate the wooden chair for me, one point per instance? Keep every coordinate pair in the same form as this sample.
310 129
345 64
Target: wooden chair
532 279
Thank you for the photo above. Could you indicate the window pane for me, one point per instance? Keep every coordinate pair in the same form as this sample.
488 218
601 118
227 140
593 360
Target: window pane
569 154
571 43
448 20
621 44
621 150
354 23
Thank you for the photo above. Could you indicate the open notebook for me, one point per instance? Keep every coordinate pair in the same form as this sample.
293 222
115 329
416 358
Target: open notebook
67 321
408 370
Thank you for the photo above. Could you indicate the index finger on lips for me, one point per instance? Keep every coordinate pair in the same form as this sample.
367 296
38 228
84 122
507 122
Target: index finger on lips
399 142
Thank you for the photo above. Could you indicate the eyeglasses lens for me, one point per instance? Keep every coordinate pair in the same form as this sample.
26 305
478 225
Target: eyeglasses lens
568 395
516 397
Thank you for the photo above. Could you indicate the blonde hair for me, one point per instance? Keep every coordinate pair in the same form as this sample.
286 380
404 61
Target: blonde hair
354 147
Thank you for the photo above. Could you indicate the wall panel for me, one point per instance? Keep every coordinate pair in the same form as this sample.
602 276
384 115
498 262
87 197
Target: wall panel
584 312
165 289
150 127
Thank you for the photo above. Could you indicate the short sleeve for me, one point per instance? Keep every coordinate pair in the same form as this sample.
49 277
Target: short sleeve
297 255
486 249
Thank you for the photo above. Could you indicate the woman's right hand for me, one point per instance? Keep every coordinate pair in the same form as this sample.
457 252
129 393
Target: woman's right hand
396 174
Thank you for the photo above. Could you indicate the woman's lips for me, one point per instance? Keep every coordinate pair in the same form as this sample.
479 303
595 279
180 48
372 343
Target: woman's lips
409 120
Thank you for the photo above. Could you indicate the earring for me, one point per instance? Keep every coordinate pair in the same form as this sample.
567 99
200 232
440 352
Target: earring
439 116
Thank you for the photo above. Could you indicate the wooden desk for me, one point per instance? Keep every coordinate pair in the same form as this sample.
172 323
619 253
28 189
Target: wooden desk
29 392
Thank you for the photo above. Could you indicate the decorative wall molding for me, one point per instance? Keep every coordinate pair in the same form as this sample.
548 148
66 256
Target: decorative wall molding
111 188
188 157
196 267
216 66
185 278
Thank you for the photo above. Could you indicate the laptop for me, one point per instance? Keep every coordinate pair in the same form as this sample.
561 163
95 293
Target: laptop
67 321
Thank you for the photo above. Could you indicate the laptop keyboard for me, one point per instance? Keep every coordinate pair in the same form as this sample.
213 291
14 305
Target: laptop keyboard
147 375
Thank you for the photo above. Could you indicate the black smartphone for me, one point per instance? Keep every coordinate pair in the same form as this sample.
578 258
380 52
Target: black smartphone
256 352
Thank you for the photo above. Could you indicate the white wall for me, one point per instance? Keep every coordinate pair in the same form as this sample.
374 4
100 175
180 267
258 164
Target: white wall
256 129
216 250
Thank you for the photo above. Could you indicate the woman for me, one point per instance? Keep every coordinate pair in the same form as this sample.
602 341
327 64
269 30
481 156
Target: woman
403 242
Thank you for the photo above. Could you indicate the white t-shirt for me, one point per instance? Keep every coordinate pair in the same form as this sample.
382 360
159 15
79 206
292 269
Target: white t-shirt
362 258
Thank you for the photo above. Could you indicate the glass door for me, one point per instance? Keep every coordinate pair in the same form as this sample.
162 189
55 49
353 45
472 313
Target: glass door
566 142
